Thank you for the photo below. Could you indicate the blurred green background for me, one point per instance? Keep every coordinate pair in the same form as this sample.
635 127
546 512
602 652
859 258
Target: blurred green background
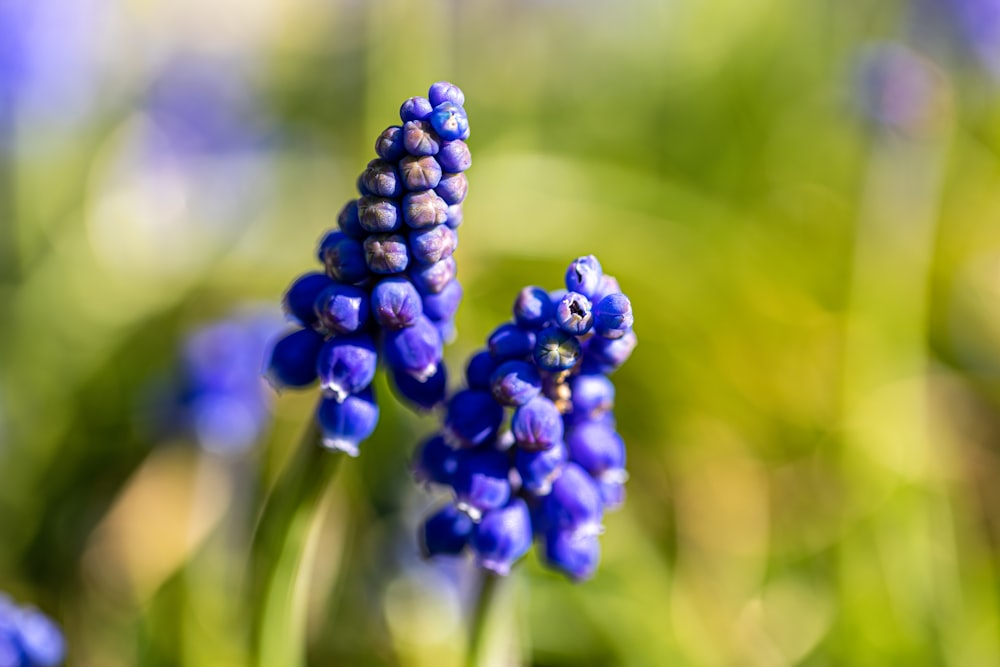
801 199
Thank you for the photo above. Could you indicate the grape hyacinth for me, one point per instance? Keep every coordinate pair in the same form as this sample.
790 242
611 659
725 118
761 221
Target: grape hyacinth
388 288
561 464
28 638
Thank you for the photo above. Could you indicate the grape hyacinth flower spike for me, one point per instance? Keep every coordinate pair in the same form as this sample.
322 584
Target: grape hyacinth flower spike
551 477
28 638
387 290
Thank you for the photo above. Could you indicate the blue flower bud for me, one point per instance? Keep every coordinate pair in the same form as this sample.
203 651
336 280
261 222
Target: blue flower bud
443 305
10 652
479 370
382 180
40 639
433 278
345 424
596 448
420 173
573 314
346 365
420 138
386 253
300 298
537 424
454 156
592 395
349 222
360 185
293 359
515 383
435 461
432 244
450 121
612 491
509 341
379 215
396 303
342 309
608 285
344 258
416 350
481 480
453 188
446 532
533 308
574 555
556 350
574 504
424 208
607 354
389 145
415 108
502 537
613 316
538 469
584 276
427 394
443 91
473 418
455 216
447 329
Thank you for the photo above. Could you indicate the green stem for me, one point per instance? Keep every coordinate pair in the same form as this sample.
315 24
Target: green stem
278 594
478 629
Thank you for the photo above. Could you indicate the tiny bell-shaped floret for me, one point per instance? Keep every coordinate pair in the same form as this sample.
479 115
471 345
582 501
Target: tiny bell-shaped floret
420 173
293 359
433 278
415 108
427 394
537 424
432 244
613 316
576 556
479 370
450 121
584 275
386 253
342 309
455 216
608 285
481 480
612 491
454 156
574 504
300 298
556 350
424 209
515 383
389 145
382 179
446 532
597 449
346 365
344 258
473 418
345 424
416 349
349 222
435 461
378 215
539 469
40 640
607 354
591 395
533 308
509 341
443 305
419 138
396 303
502 536
443 91
573 314
453 188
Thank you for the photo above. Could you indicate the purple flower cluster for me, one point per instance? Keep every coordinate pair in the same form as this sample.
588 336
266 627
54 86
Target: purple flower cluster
560 463
28 638
389 288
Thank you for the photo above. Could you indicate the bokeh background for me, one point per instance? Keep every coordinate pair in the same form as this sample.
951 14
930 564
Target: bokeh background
801 198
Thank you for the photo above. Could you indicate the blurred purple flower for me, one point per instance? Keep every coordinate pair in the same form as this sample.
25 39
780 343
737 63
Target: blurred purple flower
895 87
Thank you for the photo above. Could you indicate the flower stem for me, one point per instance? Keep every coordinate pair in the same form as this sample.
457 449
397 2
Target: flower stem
280 556
479 626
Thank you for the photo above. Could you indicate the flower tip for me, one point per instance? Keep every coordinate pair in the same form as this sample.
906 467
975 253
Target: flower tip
349 447
497 567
